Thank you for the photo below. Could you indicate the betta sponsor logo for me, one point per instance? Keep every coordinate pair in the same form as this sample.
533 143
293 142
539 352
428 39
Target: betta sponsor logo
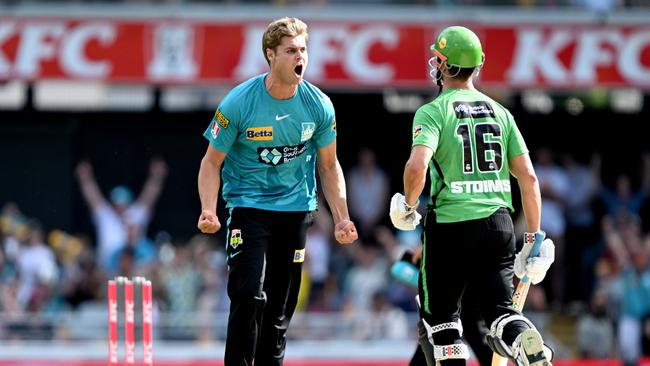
299 256
260 133
478 109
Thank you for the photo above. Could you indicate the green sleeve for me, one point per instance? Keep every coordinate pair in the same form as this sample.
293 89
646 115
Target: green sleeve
516 143
426 127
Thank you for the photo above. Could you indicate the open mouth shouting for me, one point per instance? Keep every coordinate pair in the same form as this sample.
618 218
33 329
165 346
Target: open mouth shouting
298 70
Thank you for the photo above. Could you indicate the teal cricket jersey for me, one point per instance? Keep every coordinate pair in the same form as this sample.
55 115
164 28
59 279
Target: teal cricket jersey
271 145
473 138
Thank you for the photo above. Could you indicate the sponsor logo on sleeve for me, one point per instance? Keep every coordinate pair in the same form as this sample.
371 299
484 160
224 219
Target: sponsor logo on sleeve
299 256
473 109
307 131
214 131
417 131
334 125
221 119
264 133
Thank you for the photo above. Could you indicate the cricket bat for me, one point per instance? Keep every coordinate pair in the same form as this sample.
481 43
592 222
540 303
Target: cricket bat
519 298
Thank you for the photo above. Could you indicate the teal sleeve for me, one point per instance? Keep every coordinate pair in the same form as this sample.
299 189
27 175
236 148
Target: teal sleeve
224 127
326 130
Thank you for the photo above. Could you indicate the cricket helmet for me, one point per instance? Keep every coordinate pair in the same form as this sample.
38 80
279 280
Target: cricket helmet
458 46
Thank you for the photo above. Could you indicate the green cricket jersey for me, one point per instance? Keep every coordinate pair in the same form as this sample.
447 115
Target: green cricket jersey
472 138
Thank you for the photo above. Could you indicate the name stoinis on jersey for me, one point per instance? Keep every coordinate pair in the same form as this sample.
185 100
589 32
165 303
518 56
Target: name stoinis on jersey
473 109
260 133
480 186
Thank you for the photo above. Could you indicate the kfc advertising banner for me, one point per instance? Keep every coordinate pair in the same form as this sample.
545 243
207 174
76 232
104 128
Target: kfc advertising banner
342 54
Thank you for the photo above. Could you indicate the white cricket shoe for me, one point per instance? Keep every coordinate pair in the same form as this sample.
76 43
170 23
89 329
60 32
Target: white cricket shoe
529 349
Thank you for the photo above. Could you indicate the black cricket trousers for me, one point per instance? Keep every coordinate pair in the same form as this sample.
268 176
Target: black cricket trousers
476 253
265 255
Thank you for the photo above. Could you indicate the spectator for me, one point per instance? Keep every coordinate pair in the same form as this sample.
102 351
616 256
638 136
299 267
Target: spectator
623 198
367 276
36 266
368 189
631 290
182 283
112 219
144 251
554 187
595 332
581 228
82 281
636 306
318 244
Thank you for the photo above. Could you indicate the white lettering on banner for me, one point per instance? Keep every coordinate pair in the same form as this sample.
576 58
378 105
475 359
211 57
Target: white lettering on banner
37 43
537 56
532 54
630 58
591 54
325 45
357 60
73 56
330 45
251 60
173 52
6 30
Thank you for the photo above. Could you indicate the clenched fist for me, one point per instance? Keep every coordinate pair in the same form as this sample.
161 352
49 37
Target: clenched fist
345 232
208 222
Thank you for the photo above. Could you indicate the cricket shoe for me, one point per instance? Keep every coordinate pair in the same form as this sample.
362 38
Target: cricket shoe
529 349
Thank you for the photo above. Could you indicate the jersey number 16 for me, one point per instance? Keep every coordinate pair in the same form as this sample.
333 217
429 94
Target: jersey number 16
486 145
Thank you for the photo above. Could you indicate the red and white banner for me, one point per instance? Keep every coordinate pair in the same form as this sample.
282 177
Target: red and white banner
347 54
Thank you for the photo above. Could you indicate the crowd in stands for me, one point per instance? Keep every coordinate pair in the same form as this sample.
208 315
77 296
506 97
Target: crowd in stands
602 266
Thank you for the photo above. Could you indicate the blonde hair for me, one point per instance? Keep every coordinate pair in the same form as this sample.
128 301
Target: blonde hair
284 27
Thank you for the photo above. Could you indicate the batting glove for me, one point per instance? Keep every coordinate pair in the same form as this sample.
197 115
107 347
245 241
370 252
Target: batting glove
534 267
403 215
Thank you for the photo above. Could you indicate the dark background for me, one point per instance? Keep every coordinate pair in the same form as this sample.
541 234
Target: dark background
39 151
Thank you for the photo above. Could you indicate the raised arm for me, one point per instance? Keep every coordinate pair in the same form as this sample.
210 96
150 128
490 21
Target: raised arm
154 184
89 188
333 183
209 182
522 168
